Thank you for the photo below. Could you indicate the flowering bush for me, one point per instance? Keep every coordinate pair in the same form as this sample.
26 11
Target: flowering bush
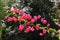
19 25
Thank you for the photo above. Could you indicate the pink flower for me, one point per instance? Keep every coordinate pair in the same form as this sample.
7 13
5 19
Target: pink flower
29 27
10 19
48 25
28 23
37 27
14 19
15 10
32 20
43 21
32 29
21 12
21 27
27 30
20 18
39 16
23 16
35 17
44 31
28 16
40 34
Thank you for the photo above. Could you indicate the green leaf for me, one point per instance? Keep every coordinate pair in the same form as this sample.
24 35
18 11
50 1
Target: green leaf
48 31
0 31
52 34
54 30
8 29
59 37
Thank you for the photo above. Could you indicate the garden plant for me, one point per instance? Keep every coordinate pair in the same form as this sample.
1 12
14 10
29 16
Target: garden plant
30 20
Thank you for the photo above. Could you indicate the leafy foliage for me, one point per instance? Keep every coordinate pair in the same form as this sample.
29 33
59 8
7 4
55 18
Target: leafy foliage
44 8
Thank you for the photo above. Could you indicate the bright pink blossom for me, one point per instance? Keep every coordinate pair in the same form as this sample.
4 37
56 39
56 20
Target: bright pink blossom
28 16
48 25
39 16
32 29
27 23
15 10
23 16
29 27
35 17
14 19
43 21
37 27
32 20
10 19
40 34
21 12
44 31
27 30
21 27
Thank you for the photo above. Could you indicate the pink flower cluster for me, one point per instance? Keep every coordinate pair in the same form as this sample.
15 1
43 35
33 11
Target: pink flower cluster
28 21
32 29
10 19
29 28
43 32
15 10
